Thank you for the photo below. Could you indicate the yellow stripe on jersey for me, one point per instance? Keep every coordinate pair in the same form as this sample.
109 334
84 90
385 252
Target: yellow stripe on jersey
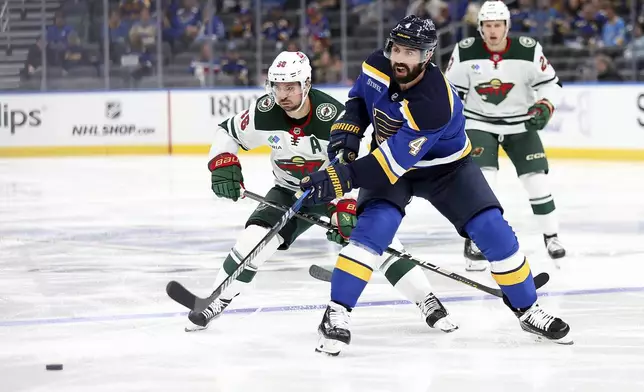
354 268
408 116
468 148
450 96
513 277
374 73
377 153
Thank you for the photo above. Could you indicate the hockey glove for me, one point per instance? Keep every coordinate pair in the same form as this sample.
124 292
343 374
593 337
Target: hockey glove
344 140
226 176
343 218
540 112
328 184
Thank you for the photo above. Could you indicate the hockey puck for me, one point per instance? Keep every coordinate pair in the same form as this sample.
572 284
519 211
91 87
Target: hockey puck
54 366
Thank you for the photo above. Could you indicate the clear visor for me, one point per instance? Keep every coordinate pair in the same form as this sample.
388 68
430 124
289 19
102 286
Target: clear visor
283 89
404 54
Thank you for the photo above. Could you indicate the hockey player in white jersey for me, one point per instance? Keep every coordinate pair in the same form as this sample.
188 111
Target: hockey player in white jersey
510 91
295 121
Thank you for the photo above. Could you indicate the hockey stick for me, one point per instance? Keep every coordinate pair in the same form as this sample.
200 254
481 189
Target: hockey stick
182 295
441 271
324 275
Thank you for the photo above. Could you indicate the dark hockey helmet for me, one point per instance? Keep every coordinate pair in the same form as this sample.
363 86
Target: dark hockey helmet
414 32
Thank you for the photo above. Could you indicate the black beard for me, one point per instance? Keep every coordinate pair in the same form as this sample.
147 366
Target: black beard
411 73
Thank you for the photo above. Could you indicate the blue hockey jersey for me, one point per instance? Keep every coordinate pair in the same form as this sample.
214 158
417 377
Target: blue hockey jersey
416 128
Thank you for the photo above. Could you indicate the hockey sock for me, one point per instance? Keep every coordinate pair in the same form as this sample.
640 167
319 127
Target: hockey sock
351 274
404 275
543 205
248 239
509 267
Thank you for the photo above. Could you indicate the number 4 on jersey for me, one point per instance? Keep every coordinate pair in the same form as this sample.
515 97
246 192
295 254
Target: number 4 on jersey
416 144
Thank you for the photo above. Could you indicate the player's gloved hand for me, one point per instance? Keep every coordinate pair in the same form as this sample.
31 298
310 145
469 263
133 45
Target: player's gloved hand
343 218
344 140
328 184
540 112
226 176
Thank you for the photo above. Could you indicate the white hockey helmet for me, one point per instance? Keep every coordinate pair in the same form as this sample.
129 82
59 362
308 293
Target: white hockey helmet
494 10
290 67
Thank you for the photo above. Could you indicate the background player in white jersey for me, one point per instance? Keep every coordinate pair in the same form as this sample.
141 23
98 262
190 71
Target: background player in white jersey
295 121
511 91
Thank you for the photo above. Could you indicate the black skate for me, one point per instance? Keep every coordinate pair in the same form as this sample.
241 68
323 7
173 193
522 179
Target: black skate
537 321
554 246
474 259
435 314
334 329
201 320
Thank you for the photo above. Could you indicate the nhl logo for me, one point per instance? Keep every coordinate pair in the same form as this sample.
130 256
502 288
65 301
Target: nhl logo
113 110
297 131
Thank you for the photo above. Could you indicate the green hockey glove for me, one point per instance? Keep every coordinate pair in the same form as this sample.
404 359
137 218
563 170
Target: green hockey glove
541 112
343 218
226 176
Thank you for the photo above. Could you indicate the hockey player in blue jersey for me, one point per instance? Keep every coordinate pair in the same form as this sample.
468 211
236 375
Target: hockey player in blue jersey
419 148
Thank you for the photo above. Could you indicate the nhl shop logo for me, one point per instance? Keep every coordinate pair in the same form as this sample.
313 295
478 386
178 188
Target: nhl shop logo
113 110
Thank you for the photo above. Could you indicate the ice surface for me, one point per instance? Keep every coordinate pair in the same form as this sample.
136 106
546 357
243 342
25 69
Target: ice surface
88 244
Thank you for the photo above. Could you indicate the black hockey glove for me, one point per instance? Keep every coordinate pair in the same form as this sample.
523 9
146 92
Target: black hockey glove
344 140
540 112
328 184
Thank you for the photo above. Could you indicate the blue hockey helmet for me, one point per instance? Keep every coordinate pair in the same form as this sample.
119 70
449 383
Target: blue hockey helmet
413 32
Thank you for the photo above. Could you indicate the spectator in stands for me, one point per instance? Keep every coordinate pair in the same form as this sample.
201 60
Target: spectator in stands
204 64
143 34
118 31
233 65
635 48
587 26
606 71
614 29
292 47
185 23
242 27
57 38
34 59
131 9
428 8
277 28
75 54
522 18
316 23
321 63
212 27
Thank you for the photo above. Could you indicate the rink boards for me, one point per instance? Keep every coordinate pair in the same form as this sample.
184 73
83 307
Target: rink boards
595 121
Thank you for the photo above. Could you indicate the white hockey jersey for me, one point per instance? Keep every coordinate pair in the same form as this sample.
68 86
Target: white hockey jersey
298 148
500 87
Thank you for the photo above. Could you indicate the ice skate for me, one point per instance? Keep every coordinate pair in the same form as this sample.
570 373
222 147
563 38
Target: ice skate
474 259
435 314
553 246
201 320
536 321
334 330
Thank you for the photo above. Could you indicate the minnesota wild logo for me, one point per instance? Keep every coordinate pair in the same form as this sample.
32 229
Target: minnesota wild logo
299 167
495 91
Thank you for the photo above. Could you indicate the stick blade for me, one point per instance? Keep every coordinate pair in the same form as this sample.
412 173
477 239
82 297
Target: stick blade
320 273
180 294
541 280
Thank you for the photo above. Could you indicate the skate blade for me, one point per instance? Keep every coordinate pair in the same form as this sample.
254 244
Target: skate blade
195 328
329 347
475 268
565 341
445 325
